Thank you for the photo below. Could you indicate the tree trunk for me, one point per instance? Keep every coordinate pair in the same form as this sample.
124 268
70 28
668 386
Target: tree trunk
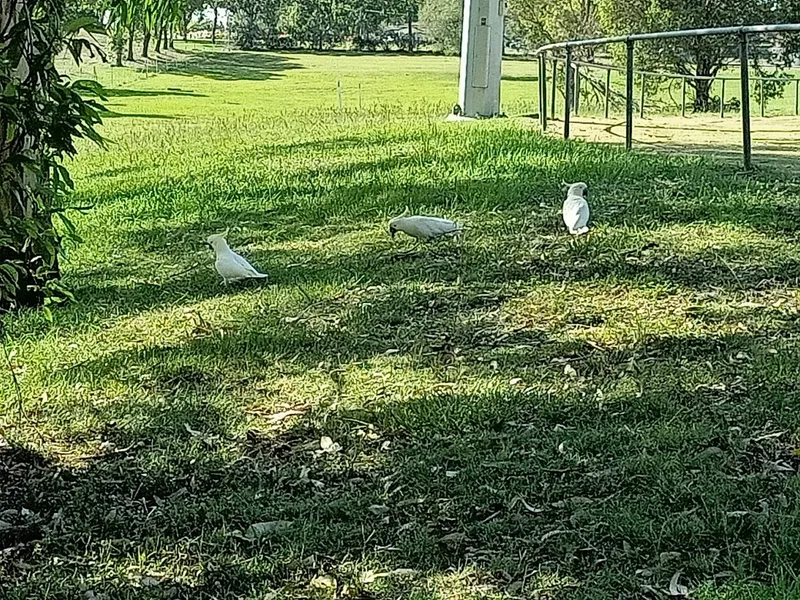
214 27
187 17
131 32
119 48
172 37
702 95
159 34
410 31
702 87
146 44
707 65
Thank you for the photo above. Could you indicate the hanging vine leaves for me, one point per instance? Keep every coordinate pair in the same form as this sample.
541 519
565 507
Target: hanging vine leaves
42 113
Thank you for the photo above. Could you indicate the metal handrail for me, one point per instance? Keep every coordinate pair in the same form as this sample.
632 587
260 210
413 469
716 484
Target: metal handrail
602 67
742 32
663 35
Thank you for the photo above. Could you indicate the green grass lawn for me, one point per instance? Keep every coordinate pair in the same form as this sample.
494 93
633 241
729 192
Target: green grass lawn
519 415
226 82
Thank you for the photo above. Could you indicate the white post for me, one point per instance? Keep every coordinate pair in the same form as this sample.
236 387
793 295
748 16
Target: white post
481 58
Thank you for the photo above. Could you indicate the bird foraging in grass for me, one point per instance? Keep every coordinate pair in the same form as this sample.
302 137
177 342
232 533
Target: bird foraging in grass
576 209
424 229
228 264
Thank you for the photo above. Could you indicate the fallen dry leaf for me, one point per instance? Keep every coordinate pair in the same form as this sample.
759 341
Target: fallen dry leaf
553 533
326 444
668 556
323 581
403 573
259 530
193 432
370 576
528 507
675 588
280 416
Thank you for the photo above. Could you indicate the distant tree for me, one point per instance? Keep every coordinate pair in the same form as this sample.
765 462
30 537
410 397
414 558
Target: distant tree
700 56
442 19
317 23
215 6
291 21
253 22
184 11
412 14
546 22
121 17
84 8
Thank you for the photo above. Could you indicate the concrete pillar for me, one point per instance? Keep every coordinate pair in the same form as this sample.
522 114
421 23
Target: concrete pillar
481 58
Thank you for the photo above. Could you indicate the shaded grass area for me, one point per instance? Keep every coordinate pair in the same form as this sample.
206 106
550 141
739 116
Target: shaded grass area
521 414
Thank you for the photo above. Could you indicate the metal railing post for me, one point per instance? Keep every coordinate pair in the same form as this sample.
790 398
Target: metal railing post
745 75
567 91
553 90
761 88
608 92
796 97
576 94
641 105
722 101
629 96
543 90
683 97
541 116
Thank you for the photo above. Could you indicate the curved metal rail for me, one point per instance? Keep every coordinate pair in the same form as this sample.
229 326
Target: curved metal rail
629 40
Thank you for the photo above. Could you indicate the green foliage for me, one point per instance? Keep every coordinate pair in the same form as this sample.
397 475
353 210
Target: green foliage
41 116
545 22
702 56
253 23
85 8
315 24
442 20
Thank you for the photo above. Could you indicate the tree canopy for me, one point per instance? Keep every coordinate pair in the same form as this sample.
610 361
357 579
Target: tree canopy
699 56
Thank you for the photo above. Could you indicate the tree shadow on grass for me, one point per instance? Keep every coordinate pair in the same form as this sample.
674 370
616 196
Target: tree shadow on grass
110 114
235 65
670 469
520 78
489 263
625 191
130 93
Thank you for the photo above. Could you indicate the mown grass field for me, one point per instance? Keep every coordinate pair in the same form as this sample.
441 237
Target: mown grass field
521 415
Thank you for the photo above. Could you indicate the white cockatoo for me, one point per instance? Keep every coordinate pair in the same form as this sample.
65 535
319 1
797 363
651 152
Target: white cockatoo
424 229
576 209
230 265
